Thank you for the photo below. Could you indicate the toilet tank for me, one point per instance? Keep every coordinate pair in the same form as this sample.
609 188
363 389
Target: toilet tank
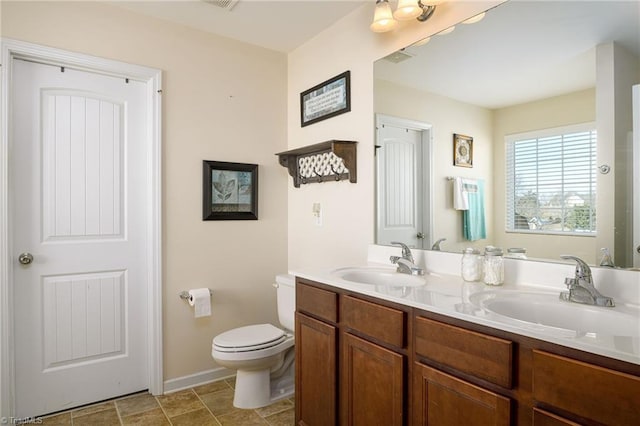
286 300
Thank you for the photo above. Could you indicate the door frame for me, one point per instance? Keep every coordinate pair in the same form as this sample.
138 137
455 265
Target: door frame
426 132
635 189
13 49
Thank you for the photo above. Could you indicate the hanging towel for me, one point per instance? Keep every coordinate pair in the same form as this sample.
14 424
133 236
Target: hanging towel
473 223
462 187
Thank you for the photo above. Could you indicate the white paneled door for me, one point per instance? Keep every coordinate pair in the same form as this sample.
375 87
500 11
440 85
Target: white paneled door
635 249
402 187
78 207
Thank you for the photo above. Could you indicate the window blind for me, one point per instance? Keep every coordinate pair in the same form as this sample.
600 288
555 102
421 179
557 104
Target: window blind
551 181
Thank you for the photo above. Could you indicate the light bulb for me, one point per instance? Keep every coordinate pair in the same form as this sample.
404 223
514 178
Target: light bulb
447 31
407 9
421 42
474 19
383 18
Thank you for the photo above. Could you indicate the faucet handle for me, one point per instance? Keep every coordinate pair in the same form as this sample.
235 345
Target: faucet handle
583 271
570 283
406 251
436 245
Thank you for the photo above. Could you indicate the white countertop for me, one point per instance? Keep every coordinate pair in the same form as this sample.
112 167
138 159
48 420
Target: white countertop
448 294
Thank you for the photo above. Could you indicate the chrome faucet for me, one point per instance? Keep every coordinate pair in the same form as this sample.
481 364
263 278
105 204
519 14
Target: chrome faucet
406 264
581 288
436 245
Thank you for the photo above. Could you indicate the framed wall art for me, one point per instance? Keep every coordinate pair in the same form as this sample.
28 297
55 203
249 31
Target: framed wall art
326 100
462 150
229 191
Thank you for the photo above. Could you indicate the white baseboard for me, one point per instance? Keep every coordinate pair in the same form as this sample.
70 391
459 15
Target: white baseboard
197 379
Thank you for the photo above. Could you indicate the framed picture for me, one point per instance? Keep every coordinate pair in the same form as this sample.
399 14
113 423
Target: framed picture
462 150
326 100
229 191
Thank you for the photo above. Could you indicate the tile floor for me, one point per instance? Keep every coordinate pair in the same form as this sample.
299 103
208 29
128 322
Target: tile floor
205 405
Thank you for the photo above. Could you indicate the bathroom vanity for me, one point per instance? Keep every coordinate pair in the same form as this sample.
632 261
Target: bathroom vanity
365 357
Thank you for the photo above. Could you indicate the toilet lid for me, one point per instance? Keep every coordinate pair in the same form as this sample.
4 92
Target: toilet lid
251 336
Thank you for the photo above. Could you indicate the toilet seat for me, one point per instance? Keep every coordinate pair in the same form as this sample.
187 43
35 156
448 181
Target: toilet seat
249 338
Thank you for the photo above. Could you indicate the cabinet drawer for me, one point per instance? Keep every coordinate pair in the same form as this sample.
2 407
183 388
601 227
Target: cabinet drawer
486 357
316 301
597 393
380 322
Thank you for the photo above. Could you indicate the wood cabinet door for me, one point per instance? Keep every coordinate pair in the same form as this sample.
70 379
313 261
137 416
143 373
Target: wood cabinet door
316 372
443 400
372 389
544 418
606 396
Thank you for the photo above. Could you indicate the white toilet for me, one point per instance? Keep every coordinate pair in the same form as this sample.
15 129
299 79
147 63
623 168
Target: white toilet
262 354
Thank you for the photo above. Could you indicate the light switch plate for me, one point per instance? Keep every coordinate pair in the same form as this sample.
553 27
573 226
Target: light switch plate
316 209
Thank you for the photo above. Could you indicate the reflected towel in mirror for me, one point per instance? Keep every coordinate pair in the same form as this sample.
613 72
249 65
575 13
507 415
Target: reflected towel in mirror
473 222
461 188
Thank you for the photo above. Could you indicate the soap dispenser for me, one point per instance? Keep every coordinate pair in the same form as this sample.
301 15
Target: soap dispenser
606 260
471 265
493 266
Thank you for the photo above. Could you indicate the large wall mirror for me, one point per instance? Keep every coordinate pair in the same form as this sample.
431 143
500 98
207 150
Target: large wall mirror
480 115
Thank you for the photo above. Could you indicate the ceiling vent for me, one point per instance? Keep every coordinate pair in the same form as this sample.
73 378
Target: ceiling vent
399 56
224 4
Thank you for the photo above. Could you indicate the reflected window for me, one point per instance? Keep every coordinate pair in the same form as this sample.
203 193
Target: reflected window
551 181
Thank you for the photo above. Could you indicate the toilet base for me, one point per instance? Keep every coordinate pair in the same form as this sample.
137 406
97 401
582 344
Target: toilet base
255 389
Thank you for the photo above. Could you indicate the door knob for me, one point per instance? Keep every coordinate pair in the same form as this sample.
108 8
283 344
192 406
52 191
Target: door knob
420 236
638 249
25 258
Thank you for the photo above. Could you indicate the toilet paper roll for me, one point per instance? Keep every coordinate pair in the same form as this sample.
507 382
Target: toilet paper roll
200 299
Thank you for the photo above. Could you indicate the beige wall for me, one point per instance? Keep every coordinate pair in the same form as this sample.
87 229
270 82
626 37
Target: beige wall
229 101
348 224
573 108
444 114
222 100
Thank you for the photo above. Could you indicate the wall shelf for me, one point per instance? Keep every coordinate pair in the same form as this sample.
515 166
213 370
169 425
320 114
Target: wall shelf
323 162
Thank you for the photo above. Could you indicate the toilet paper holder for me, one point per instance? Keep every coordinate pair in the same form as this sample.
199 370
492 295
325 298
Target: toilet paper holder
184 295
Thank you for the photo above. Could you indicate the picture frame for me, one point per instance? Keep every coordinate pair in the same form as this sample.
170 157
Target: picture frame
326 100
229 191
462 150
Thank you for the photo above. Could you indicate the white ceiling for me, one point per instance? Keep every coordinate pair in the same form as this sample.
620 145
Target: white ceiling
522 51
279 25
482 64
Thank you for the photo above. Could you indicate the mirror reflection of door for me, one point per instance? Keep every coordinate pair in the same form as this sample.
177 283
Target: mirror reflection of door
635 245
403 168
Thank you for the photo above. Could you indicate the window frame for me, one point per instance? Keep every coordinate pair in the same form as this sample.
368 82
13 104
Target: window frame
560 131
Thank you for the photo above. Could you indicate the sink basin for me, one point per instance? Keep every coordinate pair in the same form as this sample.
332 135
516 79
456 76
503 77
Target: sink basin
545 309
379 277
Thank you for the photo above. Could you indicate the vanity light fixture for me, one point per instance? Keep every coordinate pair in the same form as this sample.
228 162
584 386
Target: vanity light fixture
474 19
447 30
384 20
421 42
407 10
